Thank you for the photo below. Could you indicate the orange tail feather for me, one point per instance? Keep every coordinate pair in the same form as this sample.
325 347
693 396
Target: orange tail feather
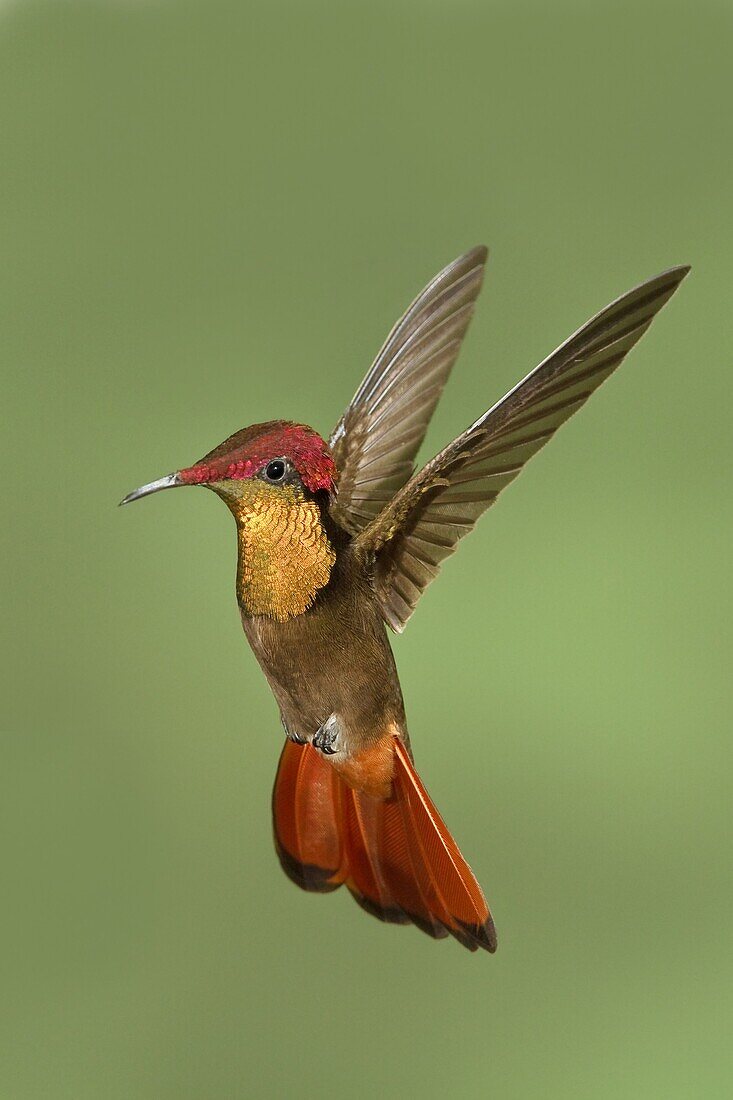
306 814
396 855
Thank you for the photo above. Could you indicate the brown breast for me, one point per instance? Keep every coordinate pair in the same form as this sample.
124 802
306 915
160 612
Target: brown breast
334 658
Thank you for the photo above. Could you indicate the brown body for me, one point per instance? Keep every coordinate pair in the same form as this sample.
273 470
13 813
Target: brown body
336 660
337 539
312 618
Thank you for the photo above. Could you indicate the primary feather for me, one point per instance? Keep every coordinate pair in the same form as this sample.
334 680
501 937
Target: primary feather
375 442
423 522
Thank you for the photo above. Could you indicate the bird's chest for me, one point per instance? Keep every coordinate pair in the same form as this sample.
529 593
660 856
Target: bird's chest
284 558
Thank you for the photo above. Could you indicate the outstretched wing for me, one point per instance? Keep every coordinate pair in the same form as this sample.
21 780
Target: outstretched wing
423 523
375 442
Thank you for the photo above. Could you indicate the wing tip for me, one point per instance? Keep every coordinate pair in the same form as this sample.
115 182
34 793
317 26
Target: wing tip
680 270
666 282
480 252
673 275
470 260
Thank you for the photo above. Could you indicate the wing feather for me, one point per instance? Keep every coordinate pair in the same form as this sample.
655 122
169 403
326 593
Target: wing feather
375 442
423 523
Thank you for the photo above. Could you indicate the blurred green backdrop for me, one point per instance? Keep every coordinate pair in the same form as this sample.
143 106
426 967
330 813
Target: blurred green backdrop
211 213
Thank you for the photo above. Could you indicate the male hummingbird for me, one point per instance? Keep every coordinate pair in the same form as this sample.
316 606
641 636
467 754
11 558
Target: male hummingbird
338 539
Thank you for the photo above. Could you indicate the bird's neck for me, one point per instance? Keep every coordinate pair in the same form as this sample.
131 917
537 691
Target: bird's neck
285 555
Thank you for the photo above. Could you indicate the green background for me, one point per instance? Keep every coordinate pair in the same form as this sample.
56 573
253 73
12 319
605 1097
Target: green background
211 213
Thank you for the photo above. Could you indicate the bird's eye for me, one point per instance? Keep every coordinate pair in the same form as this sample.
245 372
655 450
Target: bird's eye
275 470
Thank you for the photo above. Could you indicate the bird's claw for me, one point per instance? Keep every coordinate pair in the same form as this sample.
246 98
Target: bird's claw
326 737
291 736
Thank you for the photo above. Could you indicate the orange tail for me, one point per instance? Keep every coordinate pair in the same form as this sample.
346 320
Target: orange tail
396 856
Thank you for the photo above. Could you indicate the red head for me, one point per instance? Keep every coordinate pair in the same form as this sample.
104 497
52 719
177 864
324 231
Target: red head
249 451
247 454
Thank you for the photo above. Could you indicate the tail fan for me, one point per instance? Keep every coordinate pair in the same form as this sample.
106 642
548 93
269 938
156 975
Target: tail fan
396 856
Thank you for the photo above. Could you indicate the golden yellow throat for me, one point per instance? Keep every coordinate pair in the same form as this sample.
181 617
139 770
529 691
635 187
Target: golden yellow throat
285 556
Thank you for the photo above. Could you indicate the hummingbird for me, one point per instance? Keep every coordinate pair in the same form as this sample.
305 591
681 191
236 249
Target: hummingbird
337 540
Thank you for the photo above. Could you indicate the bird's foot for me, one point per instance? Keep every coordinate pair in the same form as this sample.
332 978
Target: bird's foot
291 735
326 738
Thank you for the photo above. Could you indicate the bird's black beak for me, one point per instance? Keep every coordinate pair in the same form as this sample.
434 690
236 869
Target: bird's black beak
170 481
